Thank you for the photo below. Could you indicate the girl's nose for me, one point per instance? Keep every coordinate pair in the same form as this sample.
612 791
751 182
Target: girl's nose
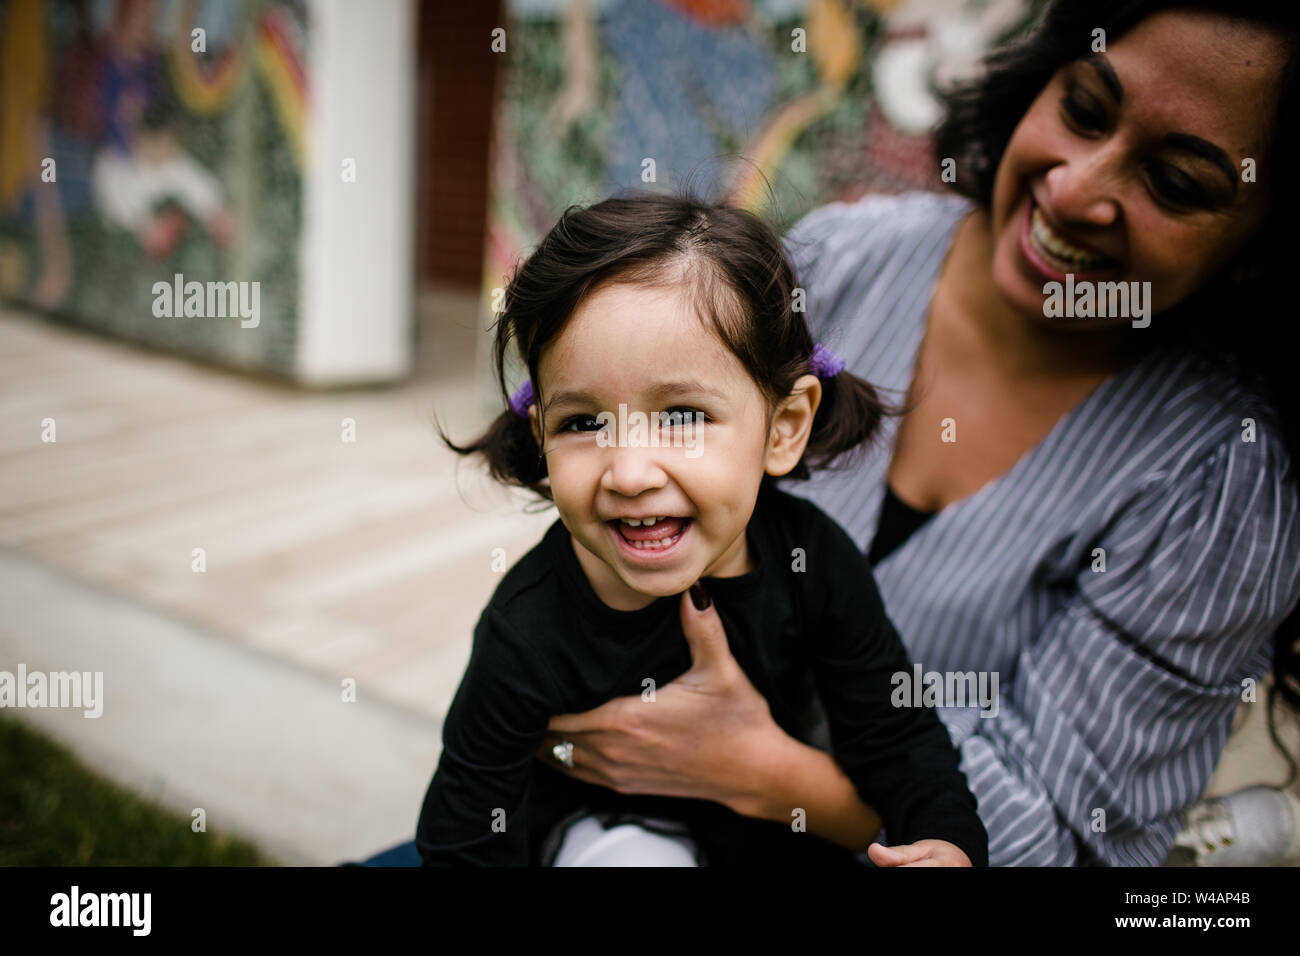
631 471
1082 188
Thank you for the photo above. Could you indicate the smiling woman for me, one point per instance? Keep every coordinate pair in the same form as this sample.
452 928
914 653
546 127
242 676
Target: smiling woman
1137 161
1165 158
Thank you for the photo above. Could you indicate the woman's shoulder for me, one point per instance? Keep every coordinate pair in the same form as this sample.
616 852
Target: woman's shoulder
874 220
1188 409
861 263
1196 469
900 208
1206 517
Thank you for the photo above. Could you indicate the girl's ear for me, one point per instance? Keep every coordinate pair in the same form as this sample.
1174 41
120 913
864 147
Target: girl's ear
792 425
535 423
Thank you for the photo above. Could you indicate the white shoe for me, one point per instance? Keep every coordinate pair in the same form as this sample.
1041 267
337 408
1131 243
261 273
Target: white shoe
1258 826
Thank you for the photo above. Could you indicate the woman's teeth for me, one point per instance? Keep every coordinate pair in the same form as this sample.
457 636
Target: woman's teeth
1054 247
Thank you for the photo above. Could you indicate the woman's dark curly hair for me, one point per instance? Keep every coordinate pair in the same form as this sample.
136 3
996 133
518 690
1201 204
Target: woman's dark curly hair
980 119
734 269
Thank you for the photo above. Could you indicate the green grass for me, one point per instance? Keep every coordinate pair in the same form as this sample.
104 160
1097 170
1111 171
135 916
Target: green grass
56 812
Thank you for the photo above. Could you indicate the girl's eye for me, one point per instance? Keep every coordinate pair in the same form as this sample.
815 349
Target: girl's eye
580 423
669 418
1176 187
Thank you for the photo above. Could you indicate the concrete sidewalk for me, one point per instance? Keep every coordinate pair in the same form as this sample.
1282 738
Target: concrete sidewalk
326 560
271 752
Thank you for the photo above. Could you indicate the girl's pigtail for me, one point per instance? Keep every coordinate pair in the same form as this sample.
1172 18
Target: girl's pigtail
511 452
848 420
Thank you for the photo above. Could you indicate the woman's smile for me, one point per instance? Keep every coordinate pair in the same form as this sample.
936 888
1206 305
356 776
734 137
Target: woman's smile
1052 255
1125 165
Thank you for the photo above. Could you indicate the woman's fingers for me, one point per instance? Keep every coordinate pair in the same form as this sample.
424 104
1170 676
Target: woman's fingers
700 736
588 765
584 751
705 634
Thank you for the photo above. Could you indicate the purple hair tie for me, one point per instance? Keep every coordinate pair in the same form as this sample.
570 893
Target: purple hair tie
825 363
522 398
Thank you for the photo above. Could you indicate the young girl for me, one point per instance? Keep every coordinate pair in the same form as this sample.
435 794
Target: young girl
673 380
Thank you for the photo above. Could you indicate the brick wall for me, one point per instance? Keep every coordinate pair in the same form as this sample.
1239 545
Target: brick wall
457 86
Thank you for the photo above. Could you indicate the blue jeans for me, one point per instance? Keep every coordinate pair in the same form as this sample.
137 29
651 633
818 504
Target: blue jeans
404 854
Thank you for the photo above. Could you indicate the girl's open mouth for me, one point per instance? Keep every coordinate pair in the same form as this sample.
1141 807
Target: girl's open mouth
650 541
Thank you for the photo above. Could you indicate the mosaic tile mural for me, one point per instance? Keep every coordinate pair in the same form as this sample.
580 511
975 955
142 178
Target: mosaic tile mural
141 140
727 97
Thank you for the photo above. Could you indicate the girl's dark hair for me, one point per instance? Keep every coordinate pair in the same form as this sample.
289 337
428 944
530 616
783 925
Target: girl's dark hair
980 119
734 269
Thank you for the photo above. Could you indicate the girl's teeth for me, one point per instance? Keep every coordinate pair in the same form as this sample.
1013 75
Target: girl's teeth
657 544
1058 248
654 545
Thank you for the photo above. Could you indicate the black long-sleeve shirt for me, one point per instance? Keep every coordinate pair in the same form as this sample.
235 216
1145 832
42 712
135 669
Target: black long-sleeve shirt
806 625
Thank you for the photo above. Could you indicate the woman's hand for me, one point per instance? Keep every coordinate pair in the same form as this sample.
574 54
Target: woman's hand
706 735
920 853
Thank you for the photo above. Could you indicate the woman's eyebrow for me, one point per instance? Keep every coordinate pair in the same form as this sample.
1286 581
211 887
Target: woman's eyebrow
1108 75
1184 141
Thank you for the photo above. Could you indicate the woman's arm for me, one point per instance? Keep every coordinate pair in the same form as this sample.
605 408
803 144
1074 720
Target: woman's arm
709 735
1117 710
797 775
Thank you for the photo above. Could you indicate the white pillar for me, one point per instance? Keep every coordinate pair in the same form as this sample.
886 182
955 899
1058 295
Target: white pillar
357 305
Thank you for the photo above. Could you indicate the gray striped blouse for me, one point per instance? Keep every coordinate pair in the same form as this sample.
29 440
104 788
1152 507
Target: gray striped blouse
1117 687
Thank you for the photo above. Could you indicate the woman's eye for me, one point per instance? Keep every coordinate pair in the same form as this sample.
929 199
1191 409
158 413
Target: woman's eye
1080 114
1176 187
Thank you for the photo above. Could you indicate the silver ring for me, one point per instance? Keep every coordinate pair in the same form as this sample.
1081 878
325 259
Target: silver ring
563 752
